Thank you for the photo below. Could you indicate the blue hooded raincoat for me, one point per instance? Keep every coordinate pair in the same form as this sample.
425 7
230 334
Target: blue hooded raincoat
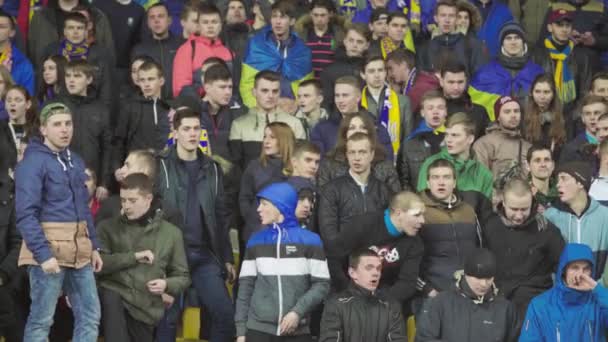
566 314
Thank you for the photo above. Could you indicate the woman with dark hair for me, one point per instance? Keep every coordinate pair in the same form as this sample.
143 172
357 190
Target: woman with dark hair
131 87
335 164
543 119
51 80
22 124
272 166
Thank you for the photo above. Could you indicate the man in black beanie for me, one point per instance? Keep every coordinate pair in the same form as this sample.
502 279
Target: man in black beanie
472 311
580 218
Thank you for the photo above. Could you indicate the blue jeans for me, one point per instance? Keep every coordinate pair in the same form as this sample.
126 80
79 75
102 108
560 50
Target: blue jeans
208 281
80 287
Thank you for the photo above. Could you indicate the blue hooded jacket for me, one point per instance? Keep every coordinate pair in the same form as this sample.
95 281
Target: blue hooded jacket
22 70
498 14
50 187
283 196
565 314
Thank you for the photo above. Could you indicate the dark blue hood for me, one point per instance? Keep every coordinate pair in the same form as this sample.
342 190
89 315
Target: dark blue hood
285 198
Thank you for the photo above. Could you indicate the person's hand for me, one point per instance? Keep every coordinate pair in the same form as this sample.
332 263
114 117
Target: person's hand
240 339
101 193
433 293
167 300
50 266
231 272
587 39
157 286
96 261
582 282
289 323
145 257
120 174
575 36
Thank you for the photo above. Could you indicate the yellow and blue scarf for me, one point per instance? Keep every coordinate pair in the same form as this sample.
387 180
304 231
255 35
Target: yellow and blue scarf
564 81
74 52
387 46
389 116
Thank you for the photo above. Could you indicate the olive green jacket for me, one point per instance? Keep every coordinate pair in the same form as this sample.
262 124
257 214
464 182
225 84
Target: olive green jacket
122 273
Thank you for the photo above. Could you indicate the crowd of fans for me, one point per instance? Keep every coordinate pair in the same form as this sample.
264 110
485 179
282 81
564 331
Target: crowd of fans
441 162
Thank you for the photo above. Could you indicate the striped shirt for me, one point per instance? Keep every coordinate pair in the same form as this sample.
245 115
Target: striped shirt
322 49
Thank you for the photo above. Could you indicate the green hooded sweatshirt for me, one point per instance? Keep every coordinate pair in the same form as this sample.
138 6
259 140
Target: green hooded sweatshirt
471 175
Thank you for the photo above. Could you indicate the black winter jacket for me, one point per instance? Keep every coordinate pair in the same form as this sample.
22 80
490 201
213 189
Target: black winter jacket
412 154
255 178
402 255
526 256
143 124
477 113
218 126
450 232
8 149
172 184
579 64
163 52
358 315
343 198
383 170
342 66
10 239
92 139
460 316
468 50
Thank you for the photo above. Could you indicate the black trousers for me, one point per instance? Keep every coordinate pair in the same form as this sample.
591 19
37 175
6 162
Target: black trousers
12 314
257 336
118 325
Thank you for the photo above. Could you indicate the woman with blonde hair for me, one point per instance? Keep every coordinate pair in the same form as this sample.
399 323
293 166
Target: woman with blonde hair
334 164
272 166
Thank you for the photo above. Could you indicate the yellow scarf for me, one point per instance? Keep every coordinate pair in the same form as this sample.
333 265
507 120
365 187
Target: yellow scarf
387 46
388 116
6 55
564 80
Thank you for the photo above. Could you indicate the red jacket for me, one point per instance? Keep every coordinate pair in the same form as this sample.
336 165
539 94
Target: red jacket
187 63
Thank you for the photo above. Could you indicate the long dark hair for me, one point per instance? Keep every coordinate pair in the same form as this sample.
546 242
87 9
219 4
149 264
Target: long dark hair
339 152
32 120
533 131
46 92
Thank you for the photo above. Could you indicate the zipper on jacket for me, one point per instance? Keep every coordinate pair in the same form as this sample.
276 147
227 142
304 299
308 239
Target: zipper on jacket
578 230
558 334
280 286
590 330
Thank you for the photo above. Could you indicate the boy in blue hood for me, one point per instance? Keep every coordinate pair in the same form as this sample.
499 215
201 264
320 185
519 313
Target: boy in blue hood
284 275
575 309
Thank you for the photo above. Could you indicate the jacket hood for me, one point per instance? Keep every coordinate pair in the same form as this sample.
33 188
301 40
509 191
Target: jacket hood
539 220
497 129
36 145
285 198
474 15
573 252
431 201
